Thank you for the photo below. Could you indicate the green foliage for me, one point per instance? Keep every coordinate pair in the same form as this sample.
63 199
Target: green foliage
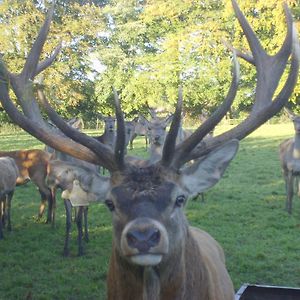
143 48
244 212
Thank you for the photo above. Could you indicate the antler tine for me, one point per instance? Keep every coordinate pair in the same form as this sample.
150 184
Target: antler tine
61 143
269 71
170 142
269 68
29 70
191 142
120 140
255 120
253 41
48 61
103 153
246 56
22 83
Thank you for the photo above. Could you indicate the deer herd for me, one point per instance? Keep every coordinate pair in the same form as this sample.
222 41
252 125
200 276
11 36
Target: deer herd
146 198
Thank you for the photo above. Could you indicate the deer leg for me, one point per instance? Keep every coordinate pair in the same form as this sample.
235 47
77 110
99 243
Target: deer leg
75 214
289 192
297 186
42 208
8 205
46 198
146 140
131 144
4 212
52 199
202 197
42 205
68 207
1 218
131 140
79 228
86 231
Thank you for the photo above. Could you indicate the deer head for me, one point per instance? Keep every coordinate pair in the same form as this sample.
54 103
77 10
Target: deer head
147 201
295 119
109 123
157 129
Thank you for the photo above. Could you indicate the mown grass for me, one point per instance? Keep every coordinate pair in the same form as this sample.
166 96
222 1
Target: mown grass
244 212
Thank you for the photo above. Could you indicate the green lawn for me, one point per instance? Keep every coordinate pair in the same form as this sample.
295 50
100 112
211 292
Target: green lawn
244 212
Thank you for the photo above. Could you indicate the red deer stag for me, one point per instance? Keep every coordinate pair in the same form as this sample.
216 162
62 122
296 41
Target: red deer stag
155 253
32 165
289 154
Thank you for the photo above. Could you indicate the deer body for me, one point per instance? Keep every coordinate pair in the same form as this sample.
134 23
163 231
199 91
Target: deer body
61 175
289 154
8 176
32 165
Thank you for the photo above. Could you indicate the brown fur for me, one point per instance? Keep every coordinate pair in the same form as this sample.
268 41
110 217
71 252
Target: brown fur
32 165
196 273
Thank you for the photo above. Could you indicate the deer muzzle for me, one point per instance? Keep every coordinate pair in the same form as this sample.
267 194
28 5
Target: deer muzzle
144 241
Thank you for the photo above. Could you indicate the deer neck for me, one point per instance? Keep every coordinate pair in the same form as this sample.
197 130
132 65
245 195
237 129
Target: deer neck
175 278
127 281
109 137
155 153
296 149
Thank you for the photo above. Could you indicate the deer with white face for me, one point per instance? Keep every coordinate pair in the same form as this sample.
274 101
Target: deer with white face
289 154
76 123
156 132
155 253
62 175
109 135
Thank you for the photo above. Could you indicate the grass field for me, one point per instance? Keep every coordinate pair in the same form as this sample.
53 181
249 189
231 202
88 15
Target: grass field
244 212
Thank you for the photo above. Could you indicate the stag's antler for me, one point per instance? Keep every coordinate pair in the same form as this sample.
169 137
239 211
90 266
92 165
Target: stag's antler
269 71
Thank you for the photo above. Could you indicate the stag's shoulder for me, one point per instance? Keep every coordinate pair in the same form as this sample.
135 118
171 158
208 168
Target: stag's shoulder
207 244
217 280
285 149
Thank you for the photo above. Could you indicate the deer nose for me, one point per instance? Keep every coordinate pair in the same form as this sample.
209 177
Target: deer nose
144 239
156 137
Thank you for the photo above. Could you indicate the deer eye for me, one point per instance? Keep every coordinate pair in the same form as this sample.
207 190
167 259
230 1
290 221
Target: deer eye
149 128
180 201
110 205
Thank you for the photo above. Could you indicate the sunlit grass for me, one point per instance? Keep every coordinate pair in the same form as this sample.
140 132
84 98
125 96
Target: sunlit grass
244 212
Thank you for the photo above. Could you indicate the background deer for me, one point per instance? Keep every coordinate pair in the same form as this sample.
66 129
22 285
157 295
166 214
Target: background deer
140 129
109 134
61 175
32 165
289 154
155 253
156 132
8 177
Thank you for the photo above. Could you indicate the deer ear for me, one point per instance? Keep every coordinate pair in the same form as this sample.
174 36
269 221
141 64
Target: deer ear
207 171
